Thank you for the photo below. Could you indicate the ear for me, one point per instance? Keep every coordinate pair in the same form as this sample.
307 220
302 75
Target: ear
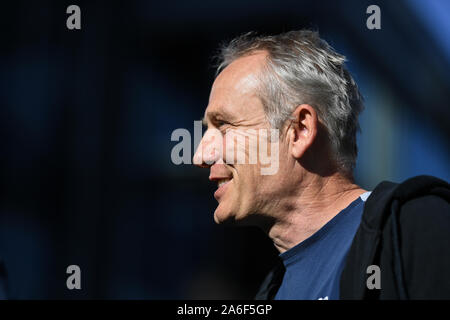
303 130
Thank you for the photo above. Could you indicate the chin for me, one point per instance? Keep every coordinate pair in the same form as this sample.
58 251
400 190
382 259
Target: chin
244 218
229 217
224 216
220 217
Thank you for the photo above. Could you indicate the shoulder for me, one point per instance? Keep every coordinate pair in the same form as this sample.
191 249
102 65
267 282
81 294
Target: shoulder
418 198
425 218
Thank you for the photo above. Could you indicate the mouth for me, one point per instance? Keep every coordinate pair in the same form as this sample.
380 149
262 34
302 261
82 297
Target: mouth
222 186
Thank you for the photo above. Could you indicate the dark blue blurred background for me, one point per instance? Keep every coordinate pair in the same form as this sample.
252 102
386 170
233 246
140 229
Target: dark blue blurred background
86 118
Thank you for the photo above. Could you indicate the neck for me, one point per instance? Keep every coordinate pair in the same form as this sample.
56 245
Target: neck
316 202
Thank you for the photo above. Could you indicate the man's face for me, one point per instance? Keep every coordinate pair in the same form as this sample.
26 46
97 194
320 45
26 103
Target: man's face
234 107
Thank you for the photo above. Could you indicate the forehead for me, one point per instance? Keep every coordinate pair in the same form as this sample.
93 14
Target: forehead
234 91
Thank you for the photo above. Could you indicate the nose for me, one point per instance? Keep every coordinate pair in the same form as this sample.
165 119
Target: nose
209 150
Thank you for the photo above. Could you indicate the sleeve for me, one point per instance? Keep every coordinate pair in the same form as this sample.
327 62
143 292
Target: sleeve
425 247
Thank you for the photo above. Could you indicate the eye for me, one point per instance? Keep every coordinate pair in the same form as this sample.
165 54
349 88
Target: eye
220 123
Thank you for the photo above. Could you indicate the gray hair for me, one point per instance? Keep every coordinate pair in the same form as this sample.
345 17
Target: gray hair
302 68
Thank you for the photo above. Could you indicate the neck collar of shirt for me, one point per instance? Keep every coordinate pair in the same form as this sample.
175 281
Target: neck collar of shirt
291 255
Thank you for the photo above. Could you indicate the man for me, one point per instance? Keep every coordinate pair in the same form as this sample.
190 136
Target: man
320 221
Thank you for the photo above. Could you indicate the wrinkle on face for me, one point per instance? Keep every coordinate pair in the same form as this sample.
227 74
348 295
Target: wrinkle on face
234 93
236 112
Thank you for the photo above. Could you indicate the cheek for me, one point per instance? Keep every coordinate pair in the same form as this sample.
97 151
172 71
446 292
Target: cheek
241 147
224 148
230 148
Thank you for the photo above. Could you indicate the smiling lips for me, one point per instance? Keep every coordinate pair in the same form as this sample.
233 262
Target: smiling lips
221 182
222 176
222 185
